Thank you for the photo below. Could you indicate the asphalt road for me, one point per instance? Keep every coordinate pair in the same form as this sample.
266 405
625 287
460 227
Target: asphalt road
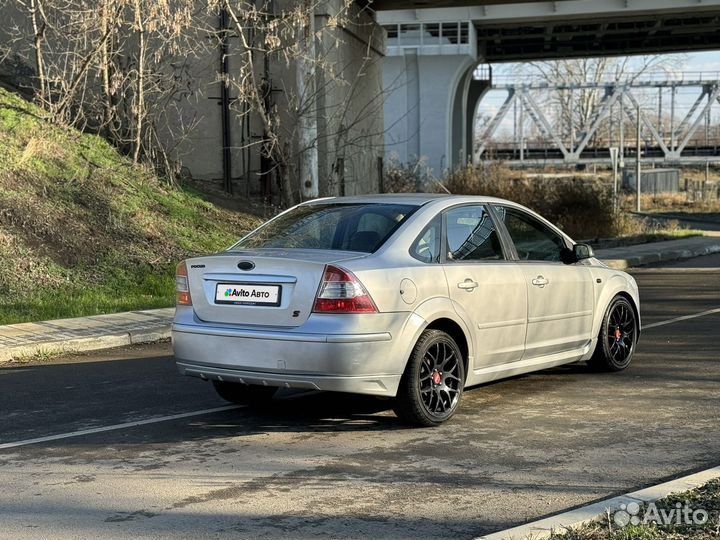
334 466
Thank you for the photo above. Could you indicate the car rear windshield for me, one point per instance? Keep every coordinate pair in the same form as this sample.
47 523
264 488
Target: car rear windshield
346 227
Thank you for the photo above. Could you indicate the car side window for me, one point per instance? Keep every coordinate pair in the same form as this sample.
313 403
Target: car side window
533 240
426 247
471 235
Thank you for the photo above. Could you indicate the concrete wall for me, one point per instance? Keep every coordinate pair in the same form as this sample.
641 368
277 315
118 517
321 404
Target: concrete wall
201 150
349 109
350 104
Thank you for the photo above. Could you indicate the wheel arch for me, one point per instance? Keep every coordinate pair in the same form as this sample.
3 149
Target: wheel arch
634 306
616 286
454 330
438 313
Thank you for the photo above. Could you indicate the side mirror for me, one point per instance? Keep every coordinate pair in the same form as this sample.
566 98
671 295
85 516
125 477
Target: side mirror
577 253
583 251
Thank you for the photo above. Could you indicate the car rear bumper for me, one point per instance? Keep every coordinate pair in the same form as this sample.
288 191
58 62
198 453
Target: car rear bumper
382 385
362 363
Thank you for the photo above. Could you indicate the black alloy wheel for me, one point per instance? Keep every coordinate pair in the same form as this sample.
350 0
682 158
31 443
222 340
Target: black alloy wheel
618 336
432 384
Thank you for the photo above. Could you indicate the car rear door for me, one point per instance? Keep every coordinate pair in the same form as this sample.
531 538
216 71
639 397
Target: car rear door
560 296
484 286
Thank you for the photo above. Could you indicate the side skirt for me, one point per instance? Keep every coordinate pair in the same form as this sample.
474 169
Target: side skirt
502 371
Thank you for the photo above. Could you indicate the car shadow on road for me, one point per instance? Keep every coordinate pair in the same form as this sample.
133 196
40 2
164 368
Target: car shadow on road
64 398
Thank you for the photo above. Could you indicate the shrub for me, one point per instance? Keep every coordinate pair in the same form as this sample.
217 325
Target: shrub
581 207
412 177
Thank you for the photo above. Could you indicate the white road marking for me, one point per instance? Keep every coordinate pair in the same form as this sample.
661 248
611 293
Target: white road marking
683 318
170 417
114 427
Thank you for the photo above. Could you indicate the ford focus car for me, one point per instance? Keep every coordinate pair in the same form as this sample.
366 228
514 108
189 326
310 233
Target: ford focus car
413 297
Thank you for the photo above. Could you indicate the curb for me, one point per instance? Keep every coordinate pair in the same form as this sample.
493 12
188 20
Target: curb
109 341
662 256
544 528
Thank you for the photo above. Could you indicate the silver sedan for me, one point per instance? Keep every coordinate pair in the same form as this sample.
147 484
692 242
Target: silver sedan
413 297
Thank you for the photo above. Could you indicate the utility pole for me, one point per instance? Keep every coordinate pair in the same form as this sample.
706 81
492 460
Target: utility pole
614 152
307 121
622 132
521 127
707 172
638 169
673 93
572 122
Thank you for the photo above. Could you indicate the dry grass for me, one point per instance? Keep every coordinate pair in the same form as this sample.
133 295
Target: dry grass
670 202
579 204
581 207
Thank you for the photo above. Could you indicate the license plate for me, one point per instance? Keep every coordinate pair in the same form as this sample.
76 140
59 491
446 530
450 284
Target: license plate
247 294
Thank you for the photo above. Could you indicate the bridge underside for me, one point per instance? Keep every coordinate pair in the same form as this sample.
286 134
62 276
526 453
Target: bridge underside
509 30
669 33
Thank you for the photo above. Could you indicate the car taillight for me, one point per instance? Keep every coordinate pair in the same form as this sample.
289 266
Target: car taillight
341 292
182 286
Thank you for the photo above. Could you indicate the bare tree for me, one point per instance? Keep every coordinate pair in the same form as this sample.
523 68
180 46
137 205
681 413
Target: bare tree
324 88
94 67
140 92
38 25
111 66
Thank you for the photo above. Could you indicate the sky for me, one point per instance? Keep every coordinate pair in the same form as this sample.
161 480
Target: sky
704 61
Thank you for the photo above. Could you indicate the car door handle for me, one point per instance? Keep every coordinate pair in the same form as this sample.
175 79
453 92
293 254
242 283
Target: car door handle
540 282
467 285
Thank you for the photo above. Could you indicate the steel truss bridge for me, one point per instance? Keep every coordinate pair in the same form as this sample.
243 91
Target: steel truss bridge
543 137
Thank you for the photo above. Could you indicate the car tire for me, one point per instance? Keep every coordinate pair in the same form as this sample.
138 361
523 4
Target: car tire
432 384
617 338
244 394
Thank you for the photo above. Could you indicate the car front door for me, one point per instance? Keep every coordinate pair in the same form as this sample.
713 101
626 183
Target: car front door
485 287
560 296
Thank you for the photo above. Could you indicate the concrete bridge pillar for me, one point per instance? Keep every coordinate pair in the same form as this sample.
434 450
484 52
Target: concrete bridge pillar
430 97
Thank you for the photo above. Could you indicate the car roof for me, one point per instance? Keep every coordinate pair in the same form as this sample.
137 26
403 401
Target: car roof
439 200
415 199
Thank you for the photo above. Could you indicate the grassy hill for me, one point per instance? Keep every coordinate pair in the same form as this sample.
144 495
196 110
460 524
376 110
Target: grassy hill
83 231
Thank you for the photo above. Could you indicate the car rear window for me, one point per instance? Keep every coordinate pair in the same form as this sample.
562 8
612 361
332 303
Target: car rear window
346 227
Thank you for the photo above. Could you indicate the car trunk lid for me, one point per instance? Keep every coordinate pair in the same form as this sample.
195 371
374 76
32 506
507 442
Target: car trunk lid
277 288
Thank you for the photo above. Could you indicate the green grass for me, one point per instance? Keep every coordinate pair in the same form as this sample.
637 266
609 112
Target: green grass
706 497
127 290
84 231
